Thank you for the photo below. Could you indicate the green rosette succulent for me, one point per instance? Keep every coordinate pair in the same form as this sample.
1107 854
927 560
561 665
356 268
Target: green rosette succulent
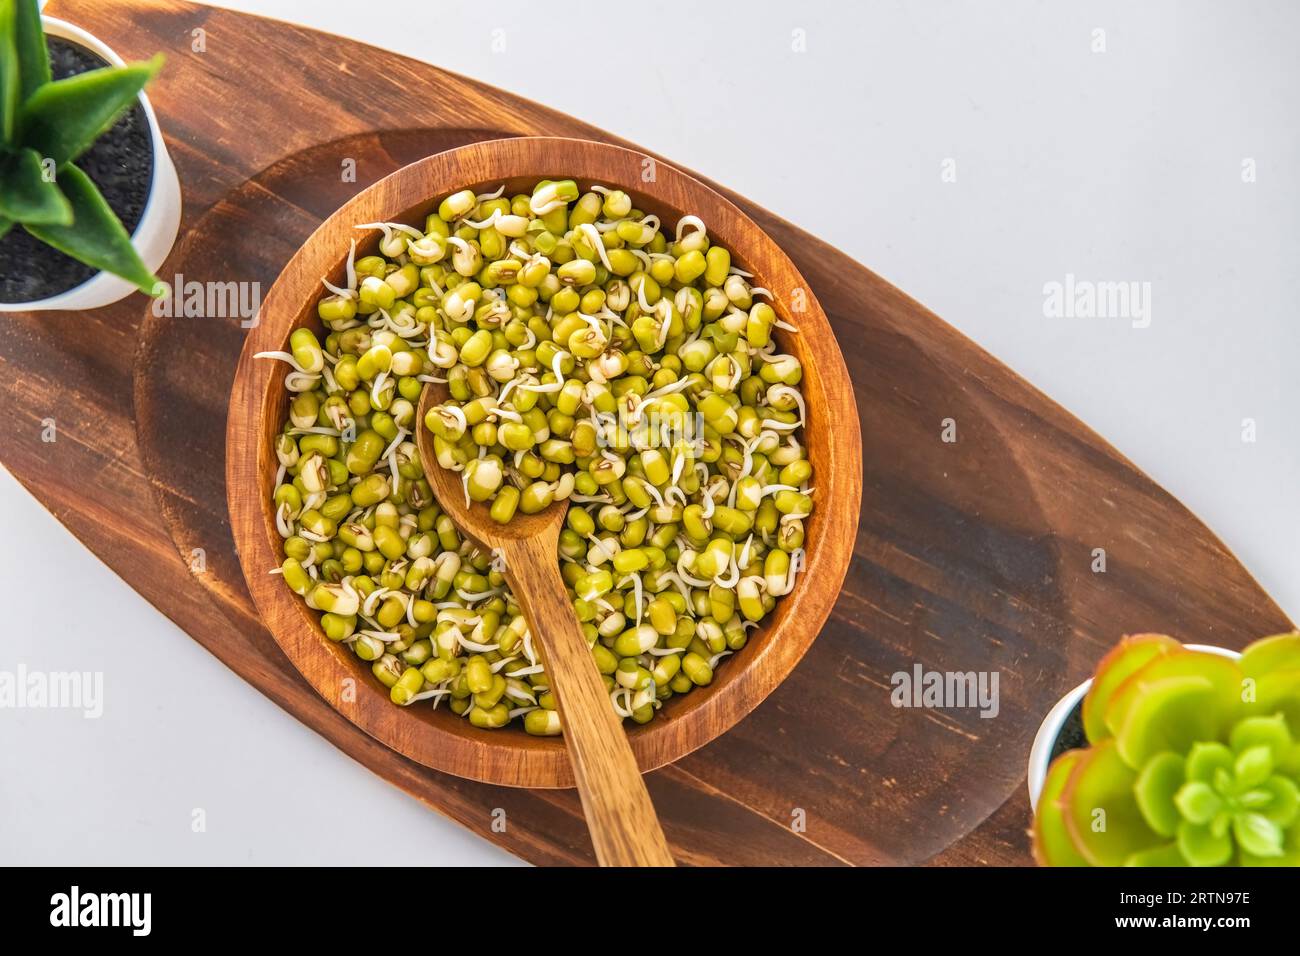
1194 760
45 124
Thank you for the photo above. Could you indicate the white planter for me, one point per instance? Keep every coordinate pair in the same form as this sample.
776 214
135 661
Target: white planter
156 233
1041 752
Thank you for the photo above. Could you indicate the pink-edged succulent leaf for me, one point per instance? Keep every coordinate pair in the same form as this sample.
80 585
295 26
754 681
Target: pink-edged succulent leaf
1205 688
1169 716
1101 813
1050 840
1197 762
1129 655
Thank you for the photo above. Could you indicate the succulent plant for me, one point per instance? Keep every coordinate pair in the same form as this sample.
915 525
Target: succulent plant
1194 760
45 125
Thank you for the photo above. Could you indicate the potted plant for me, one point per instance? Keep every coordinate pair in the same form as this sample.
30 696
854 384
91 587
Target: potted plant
89 199
1192 758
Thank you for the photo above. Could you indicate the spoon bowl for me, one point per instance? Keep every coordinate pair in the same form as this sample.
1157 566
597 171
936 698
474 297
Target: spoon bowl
473 518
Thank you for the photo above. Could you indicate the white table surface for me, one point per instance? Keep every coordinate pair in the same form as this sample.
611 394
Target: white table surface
1123 165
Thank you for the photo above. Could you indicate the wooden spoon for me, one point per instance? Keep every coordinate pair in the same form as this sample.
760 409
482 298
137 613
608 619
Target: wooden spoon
620 817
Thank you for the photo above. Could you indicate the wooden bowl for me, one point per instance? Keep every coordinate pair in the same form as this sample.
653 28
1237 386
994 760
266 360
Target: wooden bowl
258 404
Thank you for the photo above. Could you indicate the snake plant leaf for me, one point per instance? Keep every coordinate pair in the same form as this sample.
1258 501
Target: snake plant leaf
1154 791
28 196
97 236
29 41
63 118
1052 845
10 93
1129 655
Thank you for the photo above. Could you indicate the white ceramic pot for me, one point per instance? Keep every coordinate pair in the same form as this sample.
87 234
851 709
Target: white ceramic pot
156 233
1041 752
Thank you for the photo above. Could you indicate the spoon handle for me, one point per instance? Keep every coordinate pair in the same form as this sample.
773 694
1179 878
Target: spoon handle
624 828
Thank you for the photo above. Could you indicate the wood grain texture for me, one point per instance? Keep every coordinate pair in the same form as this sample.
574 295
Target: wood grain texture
968 556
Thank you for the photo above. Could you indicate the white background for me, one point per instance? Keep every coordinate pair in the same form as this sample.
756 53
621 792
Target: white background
1116 165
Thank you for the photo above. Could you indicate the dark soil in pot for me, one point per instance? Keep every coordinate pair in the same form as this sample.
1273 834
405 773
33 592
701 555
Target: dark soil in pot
120 164
1071 736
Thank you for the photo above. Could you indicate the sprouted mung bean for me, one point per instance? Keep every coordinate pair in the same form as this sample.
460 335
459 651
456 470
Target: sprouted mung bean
590 356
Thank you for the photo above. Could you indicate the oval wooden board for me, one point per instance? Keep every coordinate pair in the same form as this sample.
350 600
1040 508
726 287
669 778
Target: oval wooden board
970 556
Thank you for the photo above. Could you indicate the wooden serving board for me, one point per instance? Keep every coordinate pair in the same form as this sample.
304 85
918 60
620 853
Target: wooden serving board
973 555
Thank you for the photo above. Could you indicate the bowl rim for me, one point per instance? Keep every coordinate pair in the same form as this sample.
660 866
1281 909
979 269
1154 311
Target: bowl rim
438 739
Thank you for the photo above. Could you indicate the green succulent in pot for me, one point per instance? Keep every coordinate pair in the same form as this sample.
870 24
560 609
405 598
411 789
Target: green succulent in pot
45 125
1194 760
